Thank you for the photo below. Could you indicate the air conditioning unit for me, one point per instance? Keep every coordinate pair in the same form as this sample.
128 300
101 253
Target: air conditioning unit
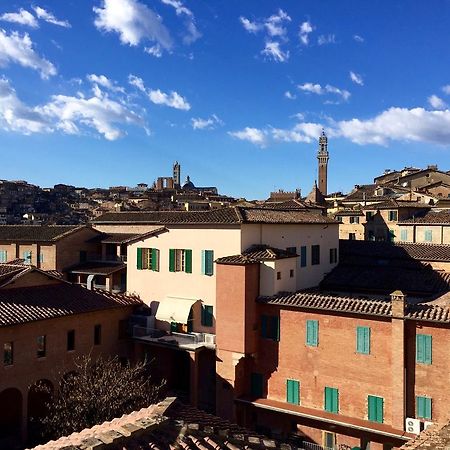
413 425
210 338
427 425
198 337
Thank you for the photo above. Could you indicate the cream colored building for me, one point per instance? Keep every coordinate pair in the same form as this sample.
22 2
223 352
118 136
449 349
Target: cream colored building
432 228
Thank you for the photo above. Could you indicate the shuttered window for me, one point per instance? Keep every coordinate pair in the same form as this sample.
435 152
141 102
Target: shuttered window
375 407
180 260
363 340
303 256
26 257
293 392
331 400
315 254
404 235
423 407
208 262
3 256
147 258
256 384
207 316
424 348
270 327
428 235
312 333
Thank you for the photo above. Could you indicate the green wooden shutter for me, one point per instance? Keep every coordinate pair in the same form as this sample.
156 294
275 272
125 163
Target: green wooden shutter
375 408
209 262
303 256
428 349
293 392
188 261
203 262
424 348
264 320
312 333
331 400
423 407
172 260
274 328
139 259
363 340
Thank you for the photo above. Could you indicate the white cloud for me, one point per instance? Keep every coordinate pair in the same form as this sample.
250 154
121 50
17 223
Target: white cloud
173 99
290 95
251 27
181 10
133 21
446 89
436 102
102 80
49 17
137 82
356 78
253 135
23 17
68 114
154 50
326 39
274 24
306 28
358 38
206 124
322 90
18 49
272 50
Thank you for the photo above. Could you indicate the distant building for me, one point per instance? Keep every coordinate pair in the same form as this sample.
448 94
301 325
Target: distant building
323 157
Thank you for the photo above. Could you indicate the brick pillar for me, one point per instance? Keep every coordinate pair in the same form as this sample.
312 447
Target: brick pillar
398 300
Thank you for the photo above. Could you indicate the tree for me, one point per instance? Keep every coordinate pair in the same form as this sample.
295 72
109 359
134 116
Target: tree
95 392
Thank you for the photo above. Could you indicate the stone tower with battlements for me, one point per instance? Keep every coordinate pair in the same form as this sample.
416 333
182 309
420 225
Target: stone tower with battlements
323 157
176 174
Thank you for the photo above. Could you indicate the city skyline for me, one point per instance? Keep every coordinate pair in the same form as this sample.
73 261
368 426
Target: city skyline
234 93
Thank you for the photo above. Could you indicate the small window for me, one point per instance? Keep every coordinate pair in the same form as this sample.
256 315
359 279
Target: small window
393 216
293 392
26 256
180 260
41 346
270 327
333 255
303 256
404 235
8 353
428 235
148 259
97 334
338 218
363 340
315 255
375 406
41 257
278 275
370 215
423 407
70 340
208 262
352 236
291 273
312 333
331 401
354 219
329 440
207 316
424 348
3 256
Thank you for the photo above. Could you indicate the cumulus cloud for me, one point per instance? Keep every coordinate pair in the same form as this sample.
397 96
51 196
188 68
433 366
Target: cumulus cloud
436 102
358 38
289 95
356 78
67 114
133 22
326 39
192 33
206 124
251 27
23 17
137 82
306 28
47 16
275 24
273 51
254 135
394 124
102 80
18 49
315 88
154 50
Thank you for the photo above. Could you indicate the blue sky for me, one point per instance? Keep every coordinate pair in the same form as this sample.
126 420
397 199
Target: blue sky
109 92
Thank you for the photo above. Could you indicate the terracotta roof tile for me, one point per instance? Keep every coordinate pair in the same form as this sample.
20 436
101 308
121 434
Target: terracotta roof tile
431 218
35 233
255 254
395 204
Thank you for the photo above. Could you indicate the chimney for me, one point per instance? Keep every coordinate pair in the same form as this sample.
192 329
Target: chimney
398 299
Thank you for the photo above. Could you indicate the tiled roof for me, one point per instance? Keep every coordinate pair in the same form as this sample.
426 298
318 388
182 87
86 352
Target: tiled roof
395 204
225 216
167 425
431 218
256 253
436 437
125 238
350 305
367 192
35 233
98 268
29 304
350 212
8 271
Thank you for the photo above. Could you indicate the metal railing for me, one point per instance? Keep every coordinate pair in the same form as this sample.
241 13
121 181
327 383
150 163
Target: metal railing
166 337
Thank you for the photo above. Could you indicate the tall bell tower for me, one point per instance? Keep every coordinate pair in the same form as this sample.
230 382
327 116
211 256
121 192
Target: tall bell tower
323 157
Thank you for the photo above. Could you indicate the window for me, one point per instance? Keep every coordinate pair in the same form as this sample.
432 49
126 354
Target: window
404 235
331 400
312 333
303 256
363 340
293 392
278 275
256 384
423 407
8 353
329 439
315 254
333 255
180 260
270 327
26 257
41 346
70 340
392 216
375 408
370 215
148 258
391 236
207 316
352 236
423 348
208 262
3 256
354 219
338 218
291 273
428 235
291 250
41 257
97 334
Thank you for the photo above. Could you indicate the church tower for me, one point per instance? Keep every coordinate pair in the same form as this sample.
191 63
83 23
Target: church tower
176 174
323 157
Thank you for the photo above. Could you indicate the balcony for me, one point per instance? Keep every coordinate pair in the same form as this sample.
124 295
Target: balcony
183 341
97 257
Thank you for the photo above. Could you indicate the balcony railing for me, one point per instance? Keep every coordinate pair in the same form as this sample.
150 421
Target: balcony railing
98 257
